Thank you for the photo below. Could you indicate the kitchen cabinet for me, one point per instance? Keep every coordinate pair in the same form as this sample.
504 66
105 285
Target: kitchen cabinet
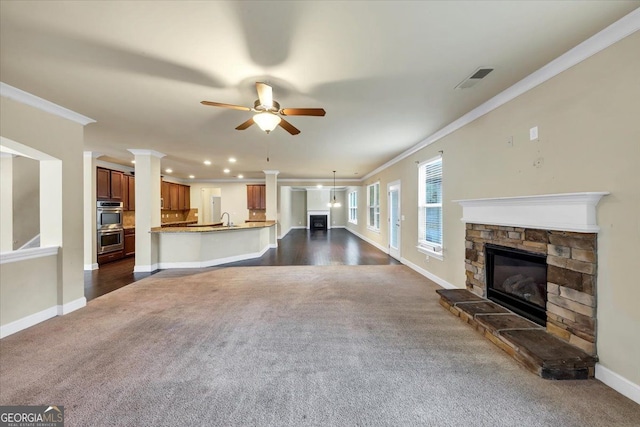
176 197
108 257
256 197
109 184
129 193
181 196
173 197
165 195
129 242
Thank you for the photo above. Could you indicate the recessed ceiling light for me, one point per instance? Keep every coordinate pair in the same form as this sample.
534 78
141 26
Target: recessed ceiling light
240 176
207 162
133 161
168 170
226 170
232 159
191 176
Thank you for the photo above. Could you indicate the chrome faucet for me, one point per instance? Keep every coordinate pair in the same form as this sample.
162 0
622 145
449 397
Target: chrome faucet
228 219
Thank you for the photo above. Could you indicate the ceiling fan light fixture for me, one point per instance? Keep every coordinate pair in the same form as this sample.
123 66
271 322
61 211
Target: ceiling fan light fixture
267 121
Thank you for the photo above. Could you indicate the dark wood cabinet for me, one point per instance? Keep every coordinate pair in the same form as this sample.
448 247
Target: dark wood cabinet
103 184
180 196
256 197
187 197
175 197
109 184
129 242
117 180
164 193
129 193
111 256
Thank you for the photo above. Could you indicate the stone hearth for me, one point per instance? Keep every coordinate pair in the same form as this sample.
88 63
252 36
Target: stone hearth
531 345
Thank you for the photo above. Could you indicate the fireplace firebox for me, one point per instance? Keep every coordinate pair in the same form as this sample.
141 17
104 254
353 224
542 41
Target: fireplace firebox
517 279
318 222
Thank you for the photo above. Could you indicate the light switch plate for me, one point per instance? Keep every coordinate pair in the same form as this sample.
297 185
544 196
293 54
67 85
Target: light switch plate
533 133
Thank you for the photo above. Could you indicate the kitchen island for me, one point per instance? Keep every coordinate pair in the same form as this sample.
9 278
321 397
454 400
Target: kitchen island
206 246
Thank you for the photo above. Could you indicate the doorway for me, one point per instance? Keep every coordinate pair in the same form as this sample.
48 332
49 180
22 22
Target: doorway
395 219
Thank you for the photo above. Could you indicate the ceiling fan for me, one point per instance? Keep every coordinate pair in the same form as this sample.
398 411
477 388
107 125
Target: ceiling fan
268 112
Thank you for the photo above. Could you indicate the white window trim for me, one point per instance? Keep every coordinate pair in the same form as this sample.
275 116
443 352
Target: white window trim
430 249
349 207
369 206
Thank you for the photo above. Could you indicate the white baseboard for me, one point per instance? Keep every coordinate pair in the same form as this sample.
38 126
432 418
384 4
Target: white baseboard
366 239
285 233
90 267
28 321
71 306
214 262
145 268
272 246
39 317
618 383
440 281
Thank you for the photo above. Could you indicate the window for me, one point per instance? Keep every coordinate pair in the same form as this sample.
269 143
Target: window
353 207
373 205
430 206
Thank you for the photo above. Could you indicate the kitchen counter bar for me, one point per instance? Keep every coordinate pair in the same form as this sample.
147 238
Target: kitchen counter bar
208 228
206 246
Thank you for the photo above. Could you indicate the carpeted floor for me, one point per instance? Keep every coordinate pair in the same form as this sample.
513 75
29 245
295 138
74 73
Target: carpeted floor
286 346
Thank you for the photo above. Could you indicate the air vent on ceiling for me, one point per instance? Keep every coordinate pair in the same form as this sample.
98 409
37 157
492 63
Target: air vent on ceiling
474 78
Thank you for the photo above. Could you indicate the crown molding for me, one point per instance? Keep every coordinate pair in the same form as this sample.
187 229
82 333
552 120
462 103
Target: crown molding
615 32
268 172
42 104
93 154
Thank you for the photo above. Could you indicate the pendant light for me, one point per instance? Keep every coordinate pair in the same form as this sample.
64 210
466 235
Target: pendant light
334 203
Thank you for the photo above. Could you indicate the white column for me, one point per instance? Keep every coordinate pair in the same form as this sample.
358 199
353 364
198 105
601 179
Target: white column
89 205
51 203
148 189
6 202
271 189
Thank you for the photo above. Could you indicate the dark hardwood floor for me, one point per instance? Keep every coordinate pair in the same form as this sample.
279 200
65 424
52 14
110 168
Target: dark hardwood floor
298 247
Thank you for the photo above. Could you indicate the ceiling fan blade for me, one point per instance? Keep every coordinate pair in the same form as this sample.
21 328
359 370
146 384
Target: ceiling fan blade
303 112
288 127
246 124
265 94
218 104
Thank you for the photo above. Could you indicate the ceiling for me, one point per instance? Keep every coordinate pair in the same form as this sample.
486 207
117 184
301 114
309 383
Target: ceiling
385 73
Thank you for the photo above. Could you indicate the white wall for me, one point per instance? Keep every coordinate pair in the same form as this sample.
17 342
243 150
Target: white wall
284 211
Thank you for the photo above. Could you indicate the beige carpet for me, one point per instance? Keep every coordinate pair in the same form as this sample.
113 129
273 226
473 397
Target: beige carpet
286 346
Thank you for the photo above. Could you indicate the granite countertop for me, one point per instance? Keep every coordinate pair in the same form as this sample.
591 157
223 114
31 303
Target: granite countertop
170 223
206 229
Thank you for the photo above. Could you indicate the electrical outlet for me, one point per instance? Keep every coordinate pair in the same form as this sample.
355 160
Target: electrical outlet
533 133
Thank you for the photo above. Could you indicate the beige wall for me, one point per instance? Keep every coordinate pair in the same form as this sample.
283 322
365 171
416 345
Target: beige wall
298 208
27 288
62 139
284 210
339 215
589 141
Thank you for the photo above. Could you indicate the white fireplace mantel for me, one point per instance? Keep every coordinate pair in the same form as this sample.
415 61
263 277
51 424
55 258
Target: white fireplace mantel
565 212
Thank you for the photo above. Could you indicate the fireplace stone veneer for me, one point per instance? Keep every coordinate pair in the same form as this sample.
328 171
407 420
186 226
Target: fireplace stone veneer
571 274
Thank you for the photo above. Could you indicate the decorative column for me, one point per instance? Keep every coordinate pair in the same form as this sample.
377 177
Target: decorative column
6 202
271 189
148 190
89 206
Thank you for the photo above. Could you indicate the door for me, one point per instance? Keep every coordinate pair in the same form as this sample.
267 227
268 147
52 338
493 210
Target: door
395 219
216 212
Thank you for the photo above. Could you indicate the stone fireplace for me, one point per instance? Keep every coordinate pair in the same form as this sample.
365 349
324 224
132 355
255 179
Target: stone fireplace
561 229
